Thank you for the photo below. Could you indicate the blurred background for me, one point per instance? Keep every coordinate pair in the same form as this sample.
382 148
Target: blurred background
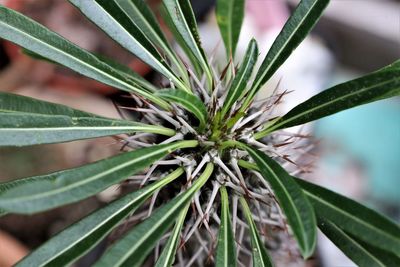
359 150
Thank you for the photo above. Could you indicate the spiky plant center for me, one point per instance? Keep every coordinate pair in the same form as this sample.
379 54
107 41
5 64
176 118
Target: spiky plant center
217 145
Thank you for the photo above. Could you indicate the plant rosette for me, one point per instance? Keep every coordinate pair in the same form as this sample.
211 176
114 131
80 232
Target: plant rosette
206 163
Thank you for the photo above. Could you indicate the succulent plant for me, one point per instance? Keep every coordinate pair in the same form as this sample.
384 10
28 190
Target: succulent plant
203 156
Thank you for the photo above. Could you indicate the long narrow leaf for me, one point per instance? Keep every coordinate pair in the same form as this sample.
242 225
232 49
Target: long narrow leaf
20 129
354 218
127 72
260 254
378 85
41 193
133 248
360 253
179 39
181 15
292 200
111 18
167 256
230 15
239 83
139 12
73 242
189 102
226 249
18 103
30 35
143 17
2 212
26 121
295 30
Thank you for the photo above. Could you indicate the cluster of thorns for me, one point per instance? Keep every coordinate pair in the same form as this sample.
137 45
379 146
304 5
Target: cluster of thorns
200 231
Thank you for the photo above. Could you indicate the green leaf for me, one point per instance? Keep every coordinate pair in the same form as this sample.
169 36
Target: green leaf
179 39
26 121
230 15
40 193
2 212
76 240
122 69
167 256
226 249
292 200
21 129
133 248
113 20
181 15
30 35
139 12
128 73
353 218
260 254
239 83
18 103
378 85
295 30
189 102
360 253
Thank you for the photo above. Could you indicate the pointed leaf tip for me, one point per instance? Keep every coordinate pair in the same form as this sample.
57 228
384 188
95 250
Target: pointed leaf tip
298 210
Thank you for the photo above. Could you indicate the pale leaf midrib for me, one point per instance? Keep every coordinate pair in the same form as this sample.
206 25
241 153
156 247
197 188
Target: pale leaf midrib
164 69
154 227
89 66
248 64
286 42
273 127
95 228
154 33
198 112
90 179
230 14
256 241
349 239
349 215
290 200
152 188
194 43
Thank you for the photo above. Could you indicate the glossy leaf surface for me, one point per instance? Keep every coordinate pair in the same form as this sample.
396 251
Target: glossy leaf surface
239 83
181 15
354 218
167 256
73 242
26 121
133 248
188 101
30 35
226 248
39 193
19 129
110 16
298 210
260 254
360 253
139 12
378 85
230 15
300 23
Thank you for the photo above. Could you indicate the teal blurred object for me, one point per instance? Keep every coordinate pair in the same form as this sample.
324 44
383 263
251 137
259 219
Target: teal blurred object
371 135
